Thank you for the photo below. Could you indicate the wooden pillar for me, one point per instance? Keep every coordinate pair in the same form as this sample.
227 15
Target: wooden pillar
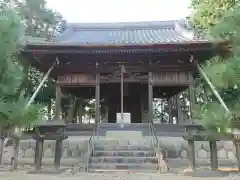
14 160
70 114
213 155
150 97
170 115
237 146
122 89
142 109
58 102
106 112
36 152
80 111
58 154
191 155
39 154
179 110
191 97
97 97
49 109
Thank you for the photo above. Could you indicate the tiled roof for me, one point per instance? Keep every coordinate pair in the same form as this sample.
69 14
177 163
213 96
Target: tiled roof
138 33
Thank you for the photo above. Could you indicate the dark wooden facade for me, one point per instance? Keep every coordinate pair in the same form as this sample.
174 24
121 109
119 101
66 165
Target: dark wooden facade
126 64
158 79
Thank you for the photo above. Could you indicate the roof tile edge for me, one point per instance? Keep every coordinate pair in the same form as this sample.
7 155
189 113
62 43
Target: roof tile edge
121 25
183 31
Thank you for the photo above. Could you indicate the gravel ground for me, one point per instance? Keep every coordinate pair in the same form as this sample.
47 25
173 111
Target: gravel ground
21 175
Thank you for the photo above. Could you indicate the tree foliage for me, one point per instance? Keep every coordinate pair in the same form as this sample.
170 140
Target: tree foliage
10 33
39 21
42 22
207 13
13 111
222 24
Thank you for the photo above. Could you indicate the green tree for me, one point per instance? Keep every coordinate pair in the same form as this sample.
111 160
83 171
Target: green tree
206 13
40 22
223 72
13 107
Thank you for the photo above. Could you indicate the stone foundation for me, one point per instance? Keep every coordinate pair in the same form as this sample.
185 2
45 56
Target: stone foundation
75 149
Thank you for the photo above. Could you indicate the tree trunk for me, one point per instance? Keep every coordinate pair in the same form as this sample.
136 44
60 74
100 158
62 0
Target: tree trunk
14 160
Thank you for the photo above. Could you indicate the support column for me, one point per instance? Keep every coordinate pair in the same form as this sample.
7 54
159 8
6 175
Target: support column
70 113
170 105
179 110
150 97
39 154
122 118
106 113
144 119
97 96
143 101
237 146
58 102
213 155
191 155
191 98
58 154
80 111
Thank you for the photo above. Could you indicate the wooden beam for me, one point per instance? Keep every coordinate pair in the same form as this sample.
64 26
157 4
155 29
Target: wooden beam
97 96
179 110
78 68
150 97
58 102
158 79
170 111
191 98
122 73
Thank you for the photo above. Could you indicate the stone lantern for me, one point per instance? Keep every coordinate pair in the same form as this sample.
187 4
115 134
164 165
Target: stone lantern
49 130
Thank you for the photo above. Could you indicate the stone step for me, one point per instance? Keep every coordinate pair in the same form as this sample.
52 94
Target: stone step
123 147
124 160
129 171
118 125
122 166
122 142
125 153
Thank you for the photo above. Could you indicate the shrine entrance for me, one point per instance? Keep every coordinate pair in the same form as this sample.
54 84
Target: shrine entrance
132 102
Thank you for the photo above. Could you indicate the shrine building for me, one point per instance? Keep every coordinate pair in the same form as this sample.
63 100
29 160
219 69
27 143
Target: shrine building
123 66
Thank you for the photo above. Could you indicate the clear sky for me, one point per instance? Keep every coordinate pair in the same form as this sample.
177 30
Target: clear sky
120 10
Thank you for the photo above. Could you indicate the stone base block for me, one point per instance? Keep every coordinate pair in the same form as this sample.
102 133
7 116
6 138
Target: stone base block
205 173
68 162
75 148
47 171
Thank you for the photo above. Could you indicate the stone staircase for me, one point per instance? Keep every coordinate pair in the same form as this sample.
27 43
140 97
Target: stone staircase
123 157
